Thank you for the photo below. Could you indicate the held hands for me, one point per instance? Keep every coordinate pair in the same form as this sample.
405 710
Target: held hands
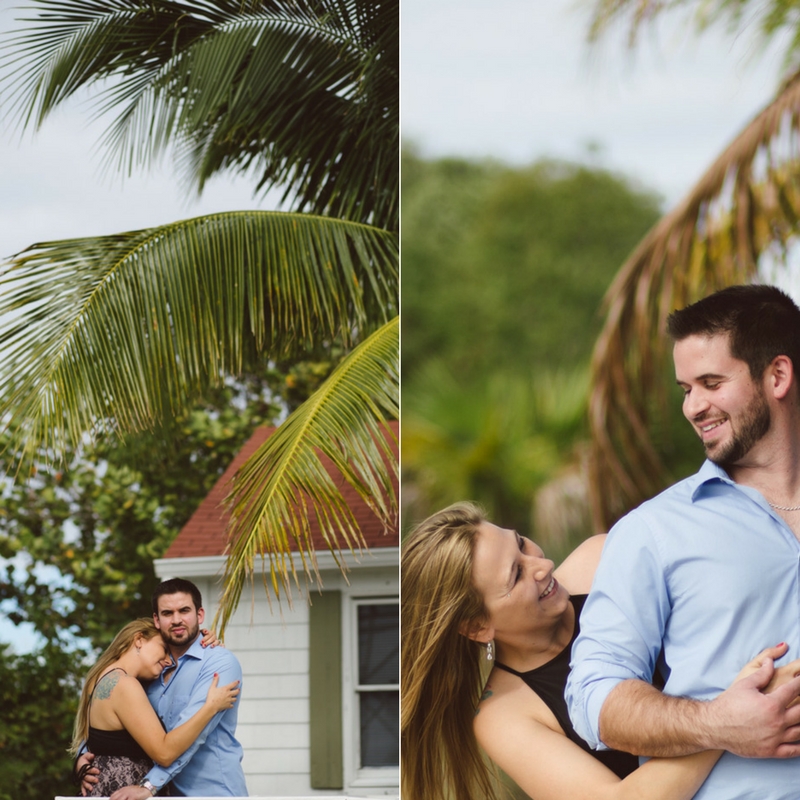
756 717
221 698
88 776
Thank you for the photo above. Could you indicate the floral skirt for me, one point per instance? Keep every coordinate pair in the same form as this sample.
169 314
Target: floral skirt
118 771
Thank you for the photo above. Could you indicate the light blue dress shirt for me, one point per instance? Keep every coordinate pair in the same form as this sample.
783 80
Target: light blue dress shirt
212 766
711 573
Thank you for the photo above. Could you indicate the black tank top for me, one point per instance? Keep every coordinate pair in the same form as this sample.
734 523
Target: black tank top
114 743
549 682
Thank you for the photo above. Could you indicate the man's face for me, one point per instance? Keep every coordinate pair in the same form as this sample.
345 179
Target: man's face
727 409
177 619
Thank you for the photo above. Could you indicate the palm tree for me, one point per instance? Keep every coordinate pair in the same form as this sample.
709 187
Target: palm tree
740 220
114 334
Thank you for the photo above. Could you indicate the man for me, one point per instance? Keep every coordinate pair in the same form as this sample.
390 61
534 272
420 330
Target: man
211 767
696 581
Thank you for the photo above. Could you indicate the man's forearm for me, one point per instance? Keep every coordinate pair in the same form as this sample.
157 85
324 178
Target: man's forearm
637 718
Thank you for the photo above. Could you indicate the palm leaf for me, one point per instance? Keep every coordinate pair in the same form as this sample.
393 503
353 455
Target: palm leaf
122 331
302 95
768 18
742 214
287 482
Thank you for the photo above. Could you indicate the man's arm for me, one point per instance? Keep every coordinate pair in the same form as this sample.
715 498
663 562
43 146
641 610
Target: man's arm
637 718
611 701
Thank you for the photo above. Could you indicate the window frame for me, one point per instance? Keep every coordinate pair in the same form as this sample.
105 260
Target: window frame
356 776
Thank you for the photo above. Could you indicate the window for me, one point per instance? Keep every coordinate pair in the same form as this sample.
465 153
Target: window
378 683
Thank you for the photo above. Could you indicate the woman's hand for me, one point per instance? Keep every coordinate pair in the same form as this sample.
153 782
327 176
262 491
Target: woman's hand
770 653
221 698
780 676
210 639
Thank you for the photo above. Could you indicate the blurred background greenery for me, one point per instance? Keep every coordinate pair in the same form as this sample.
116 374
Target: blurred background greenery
503 274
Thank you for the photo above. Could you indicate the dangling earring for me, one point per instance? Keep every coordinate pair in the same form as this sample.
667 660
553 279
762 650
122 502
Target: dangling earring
489 651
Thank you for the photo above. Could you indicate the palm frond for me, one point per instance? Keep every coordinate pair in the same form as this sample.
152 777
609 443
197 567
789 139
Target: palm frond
122 331
766 18
302 95
339 434
742 213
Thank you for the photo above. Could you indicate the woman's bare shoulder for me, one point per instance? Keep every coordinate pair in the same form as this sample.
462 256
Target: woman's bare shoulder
576 572
505 698
117 684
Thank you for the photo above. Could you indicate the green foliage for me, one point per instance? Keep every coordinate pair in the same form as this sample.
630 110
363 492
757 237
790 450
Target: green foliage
504 271
38 697
84 535
768 19
495 444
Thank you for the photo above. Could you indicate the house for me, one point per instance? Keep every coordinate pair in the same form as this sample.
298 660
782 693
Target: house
319 712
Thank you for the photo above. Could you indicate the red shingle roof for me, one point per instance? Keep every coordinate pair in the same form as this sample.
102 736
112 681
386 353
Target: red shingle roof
204 533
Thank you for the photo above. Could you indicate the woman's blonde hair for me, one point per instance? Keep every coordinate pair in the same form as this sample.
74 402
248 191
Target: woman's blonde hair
441 673
144 628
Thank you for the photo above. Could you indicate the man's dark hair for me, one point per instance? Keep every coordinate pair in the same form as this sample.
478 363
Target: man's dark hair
763 323
173 586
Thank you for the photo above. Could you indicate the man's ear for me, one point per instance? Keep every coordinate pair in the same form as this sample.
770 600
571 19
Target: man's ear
156 622
780 377
477 631
201 615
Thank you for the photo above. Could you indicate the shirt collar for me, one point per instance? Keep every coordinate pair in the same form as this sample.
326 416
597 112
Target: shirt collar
709 473
195 650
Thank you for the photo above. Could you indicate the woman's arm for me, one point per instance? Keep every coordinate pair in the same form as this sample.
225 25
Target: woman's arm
576 571
133 709
548 766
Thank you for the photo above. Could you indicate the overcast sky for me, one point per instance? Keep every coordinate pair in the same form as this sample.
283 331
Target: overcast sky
515 79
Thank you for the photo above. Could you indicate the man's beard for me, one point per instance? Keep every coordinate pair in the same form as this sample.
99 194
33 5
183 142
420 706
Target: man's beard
750 428
191 635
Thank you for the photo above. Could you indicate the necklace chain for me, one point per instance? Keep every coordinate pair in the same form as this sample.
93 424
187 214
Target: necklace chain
784 508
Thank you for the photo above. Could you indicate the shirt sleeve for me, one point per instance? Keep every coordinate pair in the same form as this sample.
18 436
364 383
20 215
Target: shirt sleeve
622 624
229 670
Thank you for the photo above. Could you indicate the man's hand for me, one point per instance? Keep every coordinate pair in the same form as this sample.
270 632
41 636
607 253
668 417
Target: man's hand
752 724
90 775
132 793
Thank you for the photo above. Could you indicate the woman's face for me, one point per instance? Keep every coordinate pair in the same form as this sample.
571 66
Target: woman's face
517 584
155 657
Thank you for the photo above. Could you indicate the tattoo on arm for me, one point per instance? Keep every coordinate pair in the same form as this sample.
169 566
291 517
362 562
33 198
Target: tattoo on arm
487 693
106 684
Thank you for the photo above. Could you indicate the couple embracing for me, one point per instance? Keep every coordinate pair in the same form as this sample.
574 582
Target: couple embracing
158 710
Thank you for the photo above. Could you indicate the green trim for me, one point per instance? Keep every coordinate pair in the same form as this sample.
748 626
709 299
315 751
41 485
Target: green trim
325 690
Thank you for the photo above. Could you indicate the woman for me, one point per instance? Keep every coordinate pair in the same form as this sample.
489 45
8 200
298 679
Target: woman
472 591
115 718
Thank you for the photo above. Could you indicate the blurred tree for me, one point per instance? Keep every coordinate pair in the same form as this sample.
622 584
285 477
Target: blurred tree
504 269
38 695
503 275
496 444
